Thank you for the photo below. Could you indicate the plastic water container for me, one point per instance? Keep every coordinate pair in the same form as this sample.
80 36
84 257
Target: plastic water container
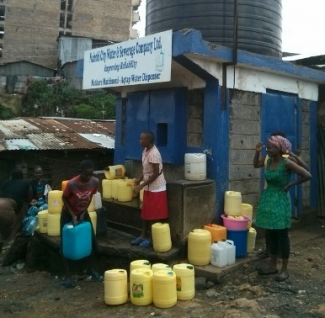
91 206
231 251
97 201
42 221
113 172
233 202
32 211
185 281
64 184
198 247
29 225
251 239
141 263
107 189
247 209
141 286
195 166
55 202
115 184
131 182
141 193
116 287
53 224
240 240
218 232
124 190
160 266
218 254
161 239
76 240
164 294
93 218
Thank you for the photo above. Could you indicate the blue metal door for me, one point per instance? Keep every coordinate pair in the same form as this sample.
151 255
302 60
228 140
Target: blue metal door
137 114
282 112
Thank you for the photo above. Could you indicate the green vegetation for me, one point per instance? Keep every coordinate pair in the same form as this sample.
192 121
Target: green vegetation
6 113
60 99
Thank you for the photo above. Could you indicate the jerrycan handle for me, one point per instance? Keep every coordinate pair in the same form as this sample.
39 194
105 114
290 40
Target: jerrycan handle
230 242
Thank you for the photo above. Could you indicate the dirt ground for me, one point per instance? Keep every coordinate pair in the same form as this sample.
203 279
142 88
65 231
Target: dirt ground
241 294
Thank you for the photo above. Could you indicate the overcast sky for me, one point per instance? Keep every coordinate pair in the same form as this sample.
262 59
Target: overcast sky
303 26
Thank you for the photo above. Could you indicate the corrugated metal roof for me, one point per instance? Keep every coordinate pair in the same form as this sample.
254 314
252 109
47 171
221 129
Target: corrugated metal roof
55 134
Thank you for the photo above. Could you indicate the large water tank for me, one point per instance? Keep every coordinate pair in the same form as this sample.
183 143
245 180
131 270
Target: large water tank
259 21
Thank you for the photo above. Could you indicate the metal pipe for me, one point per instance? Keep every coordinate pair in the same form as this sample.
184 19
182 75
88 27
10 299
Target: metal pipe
234 56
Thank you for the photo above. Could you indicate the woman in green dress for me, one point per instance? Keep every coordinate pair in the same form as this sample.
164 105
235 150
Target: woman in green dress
274 208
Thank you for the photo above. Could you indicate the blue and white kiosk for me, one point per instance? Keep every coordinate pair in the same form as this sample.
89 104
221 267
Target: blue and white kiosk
200 97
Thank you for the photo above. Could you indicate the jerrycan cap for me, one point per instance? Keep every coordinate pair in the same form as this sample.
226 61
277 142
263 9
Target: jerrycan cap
190 266
170 273
146 263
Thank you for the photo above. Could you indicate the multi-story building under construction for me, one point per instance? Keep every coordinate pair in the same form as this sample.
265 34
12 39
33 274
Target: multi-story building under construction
29 29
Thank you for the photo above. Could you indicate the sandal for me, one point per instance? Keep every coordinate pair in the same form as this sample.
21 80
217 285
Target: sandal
93 275
68 283
146 243
282 278
267 271
137 241
96 276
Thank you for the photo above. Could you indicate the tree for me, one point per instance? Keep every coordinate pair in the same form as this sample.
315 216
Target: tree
58 98
84 111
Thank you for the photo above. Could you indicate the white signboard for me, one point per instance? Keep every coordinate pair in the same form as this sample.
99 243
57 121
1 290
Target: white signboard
141 61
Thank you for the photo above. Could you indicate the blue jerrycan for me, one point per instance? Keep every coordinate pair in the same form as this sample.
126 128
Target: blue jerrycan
76 240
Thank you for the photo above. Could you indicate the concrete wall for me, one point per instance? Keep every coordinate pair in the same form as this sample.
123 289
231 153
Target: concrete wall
31 28
244 133
195 118
191 205
102 19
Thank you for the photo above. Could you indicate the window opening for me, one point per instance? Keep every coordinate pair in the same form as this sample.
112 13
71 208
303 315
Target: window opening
70 5
2 13
162 135
62 20
63 4
66 16
69 21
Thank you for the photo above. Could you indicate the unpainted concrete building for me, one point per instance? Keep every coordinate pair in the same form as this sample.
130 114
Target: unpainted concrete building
29 29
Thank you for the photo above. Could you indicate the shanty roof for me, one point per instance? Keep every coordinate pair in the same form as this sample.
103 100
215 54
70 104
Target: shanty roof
56 133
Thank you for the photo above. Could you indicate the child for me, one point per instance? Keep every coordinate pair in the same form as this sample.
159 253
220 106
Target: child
76 198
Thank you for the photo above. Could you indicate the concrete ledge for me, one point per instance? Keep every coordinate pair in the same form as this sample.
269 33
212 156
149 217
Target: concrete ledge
297 236
115 251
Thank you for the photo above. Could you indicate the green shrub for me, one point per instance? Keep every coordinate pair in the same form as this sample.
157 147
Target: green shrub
6 113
